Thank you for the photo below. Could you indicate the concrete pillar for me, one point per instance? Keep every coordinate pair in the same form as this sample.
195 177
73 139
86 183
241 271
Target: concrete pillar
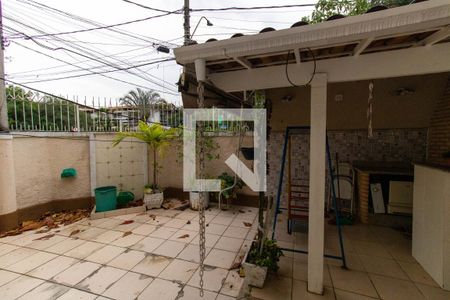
8 203
317 183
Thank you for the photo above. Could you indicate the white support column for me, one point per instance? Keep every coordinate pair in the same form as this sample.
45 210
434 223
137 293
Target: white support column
317 183
92 163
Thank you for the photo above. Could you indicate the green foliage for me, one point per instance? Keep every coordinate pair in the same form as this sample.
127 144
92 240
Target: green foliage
327 8
268 257
155 136
227 181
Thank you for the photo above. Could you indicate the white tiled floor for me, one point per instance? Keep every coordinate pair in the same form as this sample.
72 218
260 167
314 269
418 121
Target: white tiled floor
379 260
157 260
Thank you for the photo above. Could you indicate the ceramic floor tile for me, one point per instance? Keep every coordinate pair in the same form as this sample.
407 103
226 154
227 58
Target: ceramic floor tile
15 256
192 253
126 217
222 220
46 243
100 280
229 244
108 237
84 250
152 265
47 290
27 239
179 270
19 287
395 289
158 220
105 254
70 230
344 295
144 229
300 272
215 229
127 227
176 223
211 240
416 273
401 254
6 248
128 287
53 267
433 293
224 297
74 294
241 223
127 260
232 284
192 293
236 232
213 278
76 273
31 262
148 244
91 233
110 223
7 276
187 215
191 226
182 235
371 249
300 291
274 288
170 213
382 266
163 232
170 248
352 281
65 246
127 241
161 289
220 258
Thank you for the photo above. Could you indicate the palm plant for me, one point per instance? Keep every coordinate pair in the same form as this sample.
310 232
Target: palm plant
155 136
142 100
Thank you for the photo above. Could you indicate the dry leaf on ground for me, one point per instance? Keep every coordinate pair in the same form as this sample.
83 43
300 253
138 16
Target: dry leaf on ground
126 222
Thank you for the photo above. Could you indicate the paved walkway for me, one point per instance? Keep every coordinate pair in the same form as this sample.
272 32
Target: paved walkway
154 257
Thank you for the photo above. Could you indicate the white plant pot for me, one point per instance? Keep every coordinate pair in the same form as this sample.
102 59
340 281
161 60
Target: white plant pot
194 199
153 200
254 275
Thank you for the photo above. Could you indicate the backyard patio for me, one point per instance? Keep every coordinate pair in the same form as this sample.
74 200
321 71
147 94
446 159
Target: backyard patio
154 257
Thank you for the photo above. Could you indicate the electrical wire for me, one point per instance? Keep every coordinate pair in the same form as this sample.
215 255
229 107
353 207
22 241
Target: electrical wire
103 75
148 7
98 27
312 75
253 7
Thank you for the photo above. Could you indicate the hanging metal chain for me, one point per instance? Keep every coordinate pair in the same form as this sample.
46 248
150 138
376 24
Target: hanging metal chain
201 207
369 111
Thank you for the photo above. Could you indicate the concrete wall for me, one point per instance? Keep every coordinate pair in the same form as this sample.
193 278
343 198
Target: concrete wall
389 110
38 163
171 175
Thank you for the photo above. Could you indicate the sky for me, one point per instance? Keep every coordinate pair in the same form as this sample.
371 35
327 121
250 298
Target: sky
44 70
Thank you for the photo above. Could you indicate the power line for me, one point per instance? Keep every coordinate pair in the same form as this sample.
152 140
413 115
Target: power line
148 7
83 55
102 27
103 75
253 7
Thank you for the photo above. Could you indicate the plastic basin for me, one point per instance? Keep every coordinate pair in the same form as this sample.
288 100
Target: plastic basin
105 198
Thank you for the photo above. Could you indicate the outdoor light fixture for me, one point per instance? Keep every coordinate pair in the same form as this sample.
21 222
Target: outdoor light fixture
208 23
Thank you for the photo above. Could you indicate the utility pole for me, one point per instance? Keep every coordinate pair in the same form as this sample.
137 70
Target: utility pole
4 126
187 24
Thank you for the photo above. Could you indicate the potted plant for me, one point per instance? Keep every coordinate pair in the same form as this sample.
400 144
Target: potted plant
157 138
259 261
230 185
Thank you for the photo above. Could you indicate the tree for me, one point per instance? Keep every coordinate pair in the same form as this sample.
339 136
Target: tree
143 101
155 136
327 8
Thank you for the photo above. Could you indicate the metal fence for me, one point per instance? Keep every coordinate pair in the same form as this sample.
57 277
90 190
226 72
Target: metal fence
30 110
